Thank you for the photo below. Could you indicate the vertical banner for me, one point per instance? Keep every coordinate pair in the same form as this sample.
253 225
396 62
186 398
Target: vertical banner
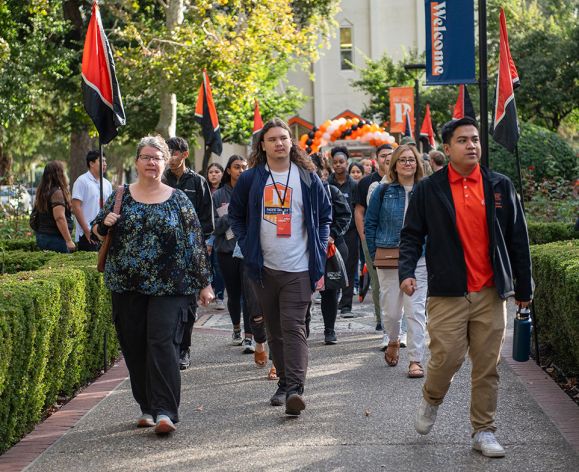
449 42
401 103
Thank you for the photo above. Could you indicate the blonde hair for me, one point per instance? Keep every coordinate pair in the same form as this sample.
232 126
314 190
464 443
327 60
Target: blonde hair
393 175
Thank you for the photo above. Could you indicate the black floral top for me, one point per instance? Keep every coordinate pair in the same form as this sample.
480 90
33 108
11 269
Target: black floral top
157 249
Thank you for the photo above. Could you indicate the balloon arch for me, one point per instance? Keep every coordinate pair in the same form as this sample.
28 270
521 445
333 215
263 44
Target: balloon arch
342 128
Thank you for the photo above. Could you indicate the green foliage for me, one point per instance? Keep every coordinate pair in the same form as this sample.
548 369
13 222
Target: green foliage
556 274
18 261
540 150
52 323
247 47
24 244
543 233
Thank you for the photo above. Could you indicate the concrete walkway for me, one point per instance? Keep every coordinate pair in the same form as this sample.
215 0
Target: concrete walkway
359 417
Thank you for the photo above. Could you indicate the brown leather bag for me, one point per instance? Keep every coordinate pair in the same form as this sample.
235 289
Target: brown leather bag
386 258
104 249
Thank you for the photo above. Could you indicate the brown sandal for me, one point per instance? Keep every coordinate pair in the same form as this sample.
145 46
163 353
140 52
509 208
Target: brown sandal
260 358
272 374
415 371
392 353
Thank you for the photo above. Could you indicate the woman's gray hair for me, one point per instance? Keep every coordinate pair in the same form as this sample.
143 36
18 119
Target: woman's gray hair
156 142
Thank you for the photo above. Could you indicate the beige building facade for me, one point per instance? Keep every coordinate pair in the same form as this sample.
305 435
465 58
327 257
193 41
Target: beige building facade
367 29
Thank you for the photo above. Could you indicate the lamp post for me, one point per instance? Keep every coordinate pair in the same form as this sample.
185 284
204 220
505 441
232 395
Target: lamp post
416 67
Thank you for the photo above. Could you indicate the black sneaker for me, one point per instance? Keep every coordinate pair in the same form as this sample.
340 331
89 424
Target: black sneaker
184 359
294 402
330 336
278 398
379 327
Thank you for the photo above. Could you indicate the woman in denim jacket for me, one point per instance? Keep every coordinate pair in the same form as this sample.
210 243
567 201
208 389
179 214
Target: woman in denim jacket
383 223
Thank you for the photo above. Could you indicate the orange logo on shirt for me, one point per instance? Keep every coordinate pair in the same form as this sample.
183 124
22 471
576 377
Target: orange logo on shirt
272 203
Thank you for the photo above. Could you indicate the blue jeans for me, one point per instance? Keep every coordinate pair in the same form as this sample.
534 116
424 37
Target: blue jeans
51 242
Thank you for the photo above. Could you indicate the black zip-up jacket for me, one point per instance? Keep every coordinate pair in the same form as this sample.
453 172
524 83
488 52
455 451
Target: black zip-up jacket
349 189
341 214
431 215
197 189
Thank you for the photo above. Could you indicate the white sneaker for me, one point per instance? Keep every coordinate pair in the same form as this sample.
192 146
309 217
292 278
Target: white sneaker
219 305
486 443
248 346
384 343
403 339
425 417
318 298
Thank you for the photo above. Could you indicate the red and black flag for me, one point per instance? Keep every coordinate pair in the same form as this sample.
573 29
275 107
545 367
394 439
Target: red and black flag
463 106
102 97
427 129
206 115
257 121
505 123
407 125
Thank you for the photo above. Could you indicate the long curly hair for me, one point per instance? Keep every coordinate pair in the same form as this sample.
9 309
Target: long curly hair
53 179
297 155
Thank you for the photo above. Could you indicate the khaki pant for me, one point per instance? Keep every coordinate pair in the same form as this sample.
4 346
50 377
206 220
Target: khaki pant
475 323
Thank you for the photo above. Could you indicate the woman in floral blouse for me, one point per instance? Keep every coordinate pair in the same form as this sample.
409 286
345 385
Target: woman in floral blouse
157 261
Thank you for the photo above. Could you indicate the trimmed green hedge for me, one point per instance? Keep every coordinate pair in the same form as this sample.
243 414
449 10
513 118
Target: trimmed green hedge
556 273
16 244
543 233
52 324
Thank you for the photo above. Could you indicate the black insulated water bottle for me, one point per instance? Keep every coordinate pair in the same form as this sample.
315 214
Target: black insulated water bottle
522 335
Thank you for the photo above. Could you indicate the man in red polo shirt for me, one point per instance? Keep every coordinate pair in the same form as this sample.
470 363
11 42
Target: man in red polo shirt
477 254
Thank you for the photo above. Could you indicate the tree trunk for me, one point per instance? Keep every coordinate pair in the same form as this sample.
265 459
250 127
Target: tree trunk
167 125
6 177
80 144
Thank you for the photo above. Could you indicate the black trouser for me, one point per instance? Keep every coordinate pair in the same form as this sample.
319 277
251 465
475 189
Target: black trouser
351 261
232 272
85 245
329 305
150 329
251 301
284 299
188 326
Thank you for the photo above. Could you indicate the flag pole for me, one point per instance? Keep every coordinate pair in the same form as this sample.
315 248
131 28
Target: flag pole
101 204
533 317
483 81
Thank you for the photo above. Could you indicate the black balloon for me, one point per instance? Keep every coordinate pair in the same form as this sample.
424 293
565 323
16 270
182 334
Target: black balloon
311 134
309 142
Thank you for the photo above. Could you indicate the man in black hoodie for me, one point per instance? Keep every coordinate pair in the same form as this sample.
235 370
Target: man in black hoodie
178 175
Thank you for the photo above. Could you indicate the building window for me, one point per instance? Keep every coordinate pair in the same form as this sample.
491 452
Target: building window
346 58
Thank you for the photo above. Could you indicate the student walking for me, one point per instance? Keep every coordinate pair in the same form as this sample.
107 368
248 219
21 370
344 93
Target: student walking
477 253
383 223
281 215
232 267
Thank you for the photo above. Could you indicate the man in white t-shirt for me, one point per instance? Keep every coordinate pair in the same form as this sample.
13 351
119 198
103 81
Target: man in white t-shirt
281 215
85 200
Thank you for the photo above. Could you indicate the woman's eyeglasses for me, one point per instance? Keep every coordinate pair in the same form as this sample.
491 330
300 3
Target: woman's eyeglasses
155 159
410 162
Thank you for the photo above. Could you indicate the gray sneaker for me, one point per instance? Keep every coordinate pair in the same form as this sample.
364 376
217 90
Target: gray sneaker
487 444
236 338
425 417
